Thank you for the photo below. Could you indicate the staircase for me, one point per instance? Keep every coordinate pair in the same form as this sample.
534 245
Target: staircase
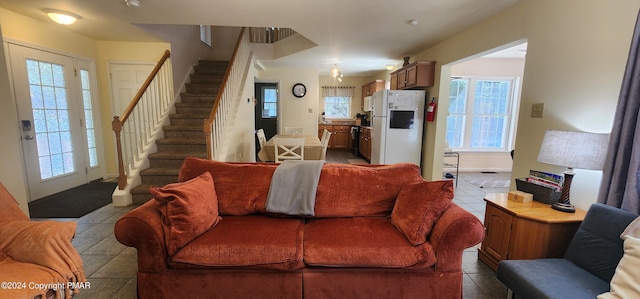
184 136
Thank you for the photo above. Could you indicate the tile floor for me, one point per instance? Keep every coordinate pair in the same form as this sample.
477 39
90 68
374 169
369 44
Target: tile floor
111 267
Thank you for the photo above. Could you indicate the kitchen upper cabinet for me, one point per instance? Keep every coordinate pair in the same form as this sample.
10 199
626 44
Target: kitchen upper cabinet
340 135
393 80
416 75
369 89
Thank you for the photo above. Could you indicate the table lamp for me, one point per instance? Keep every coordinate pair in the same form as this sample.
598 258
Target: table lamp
572 150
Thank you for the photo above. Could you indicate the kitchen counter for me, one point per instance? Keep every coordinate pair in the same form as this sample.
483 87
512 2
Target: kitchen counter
338 123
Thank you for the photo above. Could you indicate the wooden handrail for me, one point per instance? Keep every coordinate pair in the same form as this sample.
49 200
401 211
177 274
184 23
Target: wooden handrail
208 123
144 86
118 121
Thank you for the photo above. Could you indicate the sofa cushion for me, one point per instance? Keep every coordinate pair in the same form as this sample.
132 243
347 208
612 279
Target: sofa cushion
9 208
21 275
418 206
355 191
625 282
598 248
253 241
362 242
188 209
343 190
43 243
549 278
238 185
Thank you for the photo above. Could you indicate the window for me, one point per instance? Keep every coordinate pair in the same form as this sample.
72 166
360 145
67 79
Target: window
205 34
269 102
337 107
51 118
337 101
480 113
88 116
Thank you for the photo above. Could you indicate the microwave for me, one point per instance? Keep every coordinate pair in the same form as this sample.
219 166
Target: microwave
368 104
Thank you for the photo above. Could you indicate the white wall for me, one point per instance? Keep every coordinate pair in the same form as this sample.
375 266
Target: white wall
296 112
243 147
577 51
490 161
12 174
187 49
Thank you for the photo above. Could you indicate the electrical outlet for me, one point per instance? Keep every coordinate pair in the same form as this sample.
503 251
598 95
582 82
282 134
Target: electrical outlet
310 110
537 110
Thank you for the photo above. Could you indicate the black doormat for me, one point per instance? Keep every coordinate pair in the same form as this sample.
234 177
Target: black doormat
75 202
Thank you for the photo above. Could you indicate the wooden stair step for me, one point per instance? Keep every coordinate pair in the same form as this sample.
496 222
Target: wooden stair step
177 155
182 128
184 137
180 141
189 115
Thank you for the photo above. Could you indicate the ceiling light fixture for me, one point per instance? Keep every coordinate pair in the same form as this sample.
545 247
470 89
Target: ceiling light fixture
61 16
413 22
336 73
132 3
389 67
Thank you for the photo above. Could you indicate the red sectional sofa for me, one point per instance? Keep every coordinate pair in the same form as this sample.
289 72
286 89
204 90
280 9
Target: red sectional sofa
377 232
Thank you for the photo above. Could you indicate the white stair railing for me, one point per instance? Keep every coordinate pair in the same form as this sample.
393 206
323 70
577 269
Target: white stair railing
137 128
222 115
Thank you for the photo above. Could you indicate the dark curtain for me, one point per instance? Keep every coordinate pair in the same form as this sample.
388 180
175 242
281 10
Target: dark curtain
621 174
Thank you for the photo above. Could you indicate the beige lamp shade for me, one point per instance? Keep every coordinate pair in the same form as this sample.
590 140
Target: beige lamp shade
571 149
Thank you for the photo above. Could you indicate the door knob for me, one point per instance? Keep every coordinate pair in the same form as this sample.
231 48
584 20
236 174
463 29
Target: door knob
28 137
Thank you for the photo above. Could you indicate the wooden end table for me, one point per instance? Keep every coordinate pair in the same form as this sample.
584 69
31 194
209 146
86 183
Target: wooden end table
529 230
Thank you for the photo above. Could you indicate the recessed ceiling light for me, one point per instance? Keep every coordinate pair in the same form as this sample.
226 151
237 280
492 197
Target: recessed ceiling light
61 16
389 67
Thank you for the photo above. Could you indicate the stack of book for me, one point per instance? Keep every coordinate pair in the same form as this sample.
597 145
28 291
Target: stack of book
549 180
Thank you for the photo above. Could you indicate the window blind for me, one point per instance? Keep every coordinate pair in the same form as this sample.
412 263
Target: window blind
337 91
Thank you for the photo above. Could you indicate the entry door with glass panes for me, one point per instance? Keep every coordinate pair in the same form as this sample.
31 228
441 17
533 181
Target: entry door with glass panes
58 139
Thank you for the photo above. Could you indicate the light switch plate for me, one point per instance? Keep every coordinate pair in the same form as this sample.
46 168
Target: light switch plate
537 110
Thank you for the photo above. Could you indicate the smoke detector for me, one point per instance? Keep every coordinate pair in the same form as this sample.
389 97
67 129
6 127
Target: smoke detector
132 3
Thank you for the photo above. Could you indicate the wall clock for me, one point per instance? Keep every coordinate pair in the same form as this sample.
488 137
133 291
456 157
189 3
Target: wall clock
299 90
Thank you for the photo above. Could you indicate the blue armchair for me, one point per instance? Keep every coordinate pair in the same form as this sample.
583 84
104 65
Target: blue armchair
587 267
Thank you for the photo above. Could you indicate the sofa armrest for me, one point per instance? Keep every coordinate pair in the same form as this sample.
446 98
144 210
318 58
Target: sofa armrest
455 230
142 228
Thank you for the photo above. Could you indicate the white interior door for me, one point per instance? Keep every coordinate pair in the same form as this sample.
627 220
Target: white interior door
49 109
126 80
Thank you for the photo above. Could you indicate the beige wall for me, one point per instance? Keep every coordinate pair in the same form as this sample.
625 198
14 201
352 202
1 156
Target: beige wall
12 174
576 57
297 112
187 49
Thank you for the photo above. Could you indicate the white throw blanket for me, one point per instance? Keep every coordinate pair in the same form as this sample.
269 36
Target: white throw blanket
293 187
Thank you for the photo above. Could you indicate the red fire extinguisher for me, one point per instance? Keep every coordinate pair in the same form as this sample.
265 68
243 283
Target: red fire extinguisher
431 110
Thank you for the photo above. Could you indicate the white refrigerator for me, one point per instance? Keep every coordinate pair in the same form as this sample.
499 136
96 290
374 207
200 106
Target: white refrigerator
397 122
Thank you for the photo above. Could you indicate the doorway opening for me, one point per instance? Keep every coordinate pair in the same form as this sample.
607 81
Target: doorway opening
483 106
266 110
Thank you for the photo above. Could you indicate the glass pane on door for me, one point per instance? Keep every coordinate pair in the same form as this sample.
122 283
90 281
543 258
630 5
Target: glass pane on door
51 118
88 118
